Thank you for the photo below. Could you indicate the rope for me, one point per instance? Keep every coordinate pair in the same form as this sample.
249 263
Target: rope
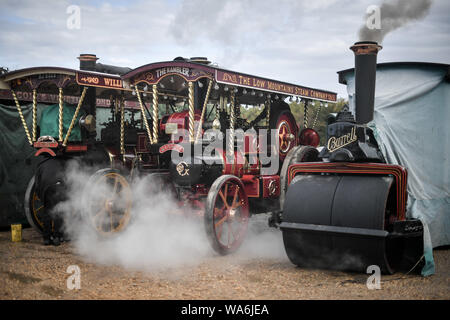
267 106
155 114
403 277
75 115
199 129
21 117
191 111
213 109
317 115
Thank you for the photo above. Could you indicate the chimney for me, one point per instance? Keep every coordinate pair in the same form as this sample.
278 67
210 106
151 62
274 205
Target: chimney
87 61
365 73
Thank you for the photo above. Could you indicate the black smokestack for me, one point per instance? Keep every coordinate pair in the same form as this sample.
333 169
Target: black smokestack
87 61
365 74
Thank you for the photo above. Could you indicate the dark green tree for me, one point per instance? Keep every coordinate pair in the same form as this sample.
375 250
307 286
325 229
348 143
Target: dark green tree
316 115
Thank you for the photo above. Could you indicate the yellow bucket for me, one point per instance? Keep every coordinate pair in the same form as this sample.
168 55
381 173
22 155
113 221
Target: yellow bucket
16 232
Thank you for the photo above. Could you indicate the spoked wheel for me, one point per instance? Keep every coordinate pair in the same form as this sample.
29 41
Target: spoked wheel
108 202
286 134
226 215
283 121
34 207
296 155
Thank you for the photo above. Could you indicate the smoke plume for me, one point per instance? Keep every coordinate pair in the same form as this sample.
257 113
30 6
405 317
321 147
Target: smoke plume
394 14
158 236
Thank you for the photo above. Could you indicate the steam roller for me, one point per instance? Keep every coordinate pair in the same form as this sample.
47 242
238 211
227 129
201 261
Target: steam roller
347 210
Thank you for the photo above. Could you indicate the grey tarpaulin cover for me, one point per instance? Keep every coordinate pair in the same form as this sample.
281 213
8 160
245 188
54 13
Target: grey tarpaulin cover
411 124
17 160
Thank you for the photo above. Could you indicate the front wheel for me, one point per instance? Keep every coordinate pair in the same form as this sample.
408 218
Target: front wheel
297 155
108 200
226 215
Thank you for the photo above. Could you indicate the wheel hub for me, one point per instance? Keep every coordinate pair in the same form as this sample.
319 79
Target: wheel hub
109 204
285 136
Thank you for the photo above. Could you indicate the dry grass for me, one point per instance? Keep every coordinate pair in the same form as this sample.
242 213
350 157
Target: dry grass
28 270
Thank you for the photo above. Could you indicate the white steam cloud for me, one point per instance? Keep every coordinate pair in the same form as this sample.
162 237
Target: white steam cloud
395 14
158 236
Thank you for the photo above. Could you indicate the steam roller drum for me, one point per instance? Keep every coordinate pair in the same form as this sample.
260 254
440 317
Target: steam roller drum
337 222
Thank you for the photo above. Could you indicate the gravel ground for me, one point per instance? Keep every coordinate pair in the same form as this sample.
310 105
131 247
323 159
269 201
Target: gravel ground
28 270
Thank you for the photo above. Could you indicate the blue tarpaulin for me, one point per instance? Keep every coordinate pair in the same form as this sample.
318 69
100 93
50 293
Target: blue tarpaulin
411 125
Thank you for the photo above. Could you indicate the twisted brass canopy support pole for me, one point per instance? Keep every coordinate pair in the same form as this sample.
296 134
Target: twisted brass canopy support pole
122 129
199 128
155 114
61 107
75 115
34 115
19 109
305 114
144 118
232 123
191 111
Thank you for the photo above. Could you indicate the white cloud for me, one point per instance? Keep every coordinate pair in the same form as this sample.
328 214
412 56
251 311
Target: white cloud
303 42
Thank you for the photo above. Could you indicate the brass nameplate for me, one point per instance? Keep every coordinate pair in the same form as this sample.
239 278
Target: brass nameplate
339 142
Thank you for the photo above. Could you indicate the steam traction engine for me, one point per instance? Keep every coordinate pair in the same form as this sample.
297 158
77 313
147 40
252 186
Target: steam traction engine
59 123
174 105
198 146
347 210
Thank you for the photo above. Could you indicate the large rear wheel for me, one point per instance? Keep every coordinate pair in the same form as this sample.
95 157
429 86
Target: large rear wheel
226 215
34 207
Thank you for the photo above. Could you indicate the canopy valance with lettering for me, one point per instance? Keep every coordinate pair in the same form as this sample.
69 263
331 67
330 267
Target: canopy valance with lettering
190 71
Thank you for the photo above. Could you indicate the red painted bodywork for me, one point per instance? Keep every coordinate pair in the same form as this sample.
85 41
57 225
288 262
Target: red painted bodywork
309 137
51 147
170 147
266 181
76 148
251 185
45 144
181 119
45 150
234 167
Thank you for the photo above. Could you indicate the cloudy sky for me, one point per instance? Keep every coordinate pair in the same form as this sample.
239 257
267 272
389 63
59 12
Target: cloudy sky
298 41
